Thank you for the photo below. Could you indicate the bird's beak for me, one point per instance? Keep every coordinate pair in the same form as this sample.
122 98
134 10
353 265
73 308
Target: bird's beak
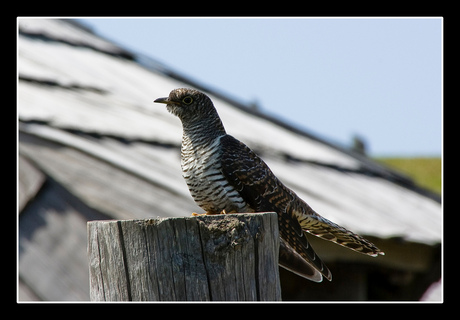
162 100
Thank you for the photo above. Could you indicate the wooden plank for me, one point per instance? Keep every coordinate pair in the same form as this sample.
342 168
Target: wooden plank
108 188
52 245
107 260
30 182
204 258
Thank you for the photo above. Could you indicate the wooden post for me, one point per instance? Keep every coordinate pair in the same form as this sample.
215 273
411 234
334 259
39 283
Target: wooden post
231 257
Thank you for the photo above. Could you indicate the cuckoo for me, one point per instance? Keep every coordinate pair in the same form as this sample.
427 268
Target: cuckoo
225 176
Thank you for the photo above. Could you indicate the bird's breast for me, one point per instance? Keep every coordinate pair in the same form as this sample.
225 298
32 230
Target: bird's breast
202 171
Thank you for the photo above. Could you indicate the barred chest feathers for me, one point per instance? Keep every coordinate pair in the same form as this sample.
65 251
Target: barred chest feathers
201 169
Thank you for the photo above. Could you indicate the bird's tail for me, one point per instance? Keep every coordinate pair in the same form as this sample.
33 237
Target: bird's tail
344 237
296 252
293 261
319 226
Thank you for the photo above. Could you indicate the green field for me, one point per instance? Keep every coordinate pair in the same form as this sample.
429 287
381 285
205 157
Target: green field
426 172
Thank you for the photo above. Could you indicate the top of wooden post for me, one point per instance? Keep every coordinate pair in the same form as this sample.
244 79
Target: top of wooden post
230 257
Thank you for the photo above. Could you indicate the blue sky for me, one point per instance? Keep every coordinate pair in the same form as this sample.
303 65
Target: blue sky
379 78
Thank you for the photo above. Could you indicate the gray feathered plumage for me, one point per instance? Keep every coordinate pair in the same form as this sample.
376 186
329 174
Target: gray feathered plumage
224 175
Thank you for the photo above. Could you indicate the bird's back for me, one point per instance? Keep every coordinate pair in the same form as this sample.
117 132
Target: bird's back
263 191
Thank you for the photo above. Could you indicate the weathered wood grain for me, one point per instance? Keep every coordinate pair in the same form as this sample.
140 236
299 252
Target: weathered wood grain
30 181
205 258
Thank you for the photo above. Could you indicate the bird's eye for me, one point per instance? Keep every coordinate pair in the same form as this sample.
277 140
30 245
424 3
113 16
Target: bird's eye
187 100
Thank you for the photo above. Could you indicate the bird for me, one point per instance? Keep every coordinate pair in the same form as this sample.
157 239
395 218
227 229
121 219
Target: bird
225 176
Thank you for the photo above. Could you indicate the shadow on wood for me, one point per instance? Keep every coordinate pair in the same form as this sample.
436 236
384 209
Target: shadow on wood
230 257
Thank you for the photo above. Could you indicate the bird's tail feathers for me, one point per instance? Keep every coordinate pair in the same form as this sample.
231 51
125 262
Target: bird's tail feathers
319 226
330 231
296 244
291 260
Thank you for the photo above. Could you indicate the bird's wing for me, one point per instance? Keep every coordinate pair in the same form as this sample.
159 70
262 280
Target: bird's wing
264 186
260 188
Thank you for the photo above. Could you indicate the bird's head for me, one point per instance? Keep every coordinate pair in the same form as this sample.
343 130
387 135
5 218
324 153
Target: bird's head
187 103
192 107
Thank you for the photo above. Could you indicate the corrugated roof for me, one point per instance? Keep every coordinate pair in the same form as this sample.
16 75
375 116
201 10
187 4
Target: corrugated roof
87 121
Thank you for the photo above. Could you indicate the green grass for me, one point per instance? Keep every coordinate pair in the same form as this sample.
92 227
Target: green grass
426 172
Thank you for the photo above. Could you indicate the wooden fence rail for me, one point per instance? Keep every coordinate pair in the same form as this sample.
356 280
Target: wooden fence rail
230 257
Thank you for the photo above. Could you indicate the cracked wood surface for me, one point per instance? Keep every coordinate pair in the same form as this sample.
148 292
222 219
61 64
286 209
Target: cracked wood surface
205 258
